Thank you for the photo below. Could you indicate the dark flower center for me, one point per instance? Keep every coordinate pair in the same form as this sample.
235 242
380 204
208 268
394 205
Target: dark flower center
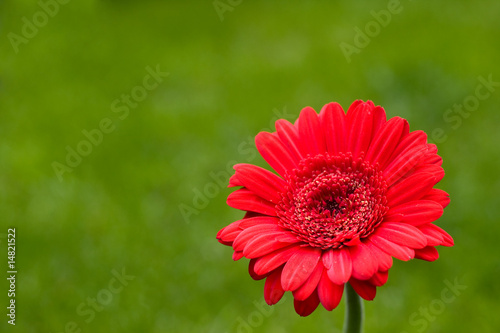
332 200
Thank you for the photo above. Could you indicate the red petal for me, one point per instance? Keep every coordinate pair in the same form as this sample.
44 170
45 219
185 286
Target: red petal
386 140
264 244
364 265
432 148
340 265
305 308
432 157
436 232
227 234
408 141
237 255
364 289
245 199
415 212
439 196
225 243
255 231
299 267
397 251
289 135
329 293
384 259
380 278
275 153
448 240
307 288
253 214
275 259
402 164
354 105
310 131
234 181
332 118
273 291
258 220
411 188
435 170
262 182
252 273
433 239
428 253
359 126
327 258
287 237
379 120
402 234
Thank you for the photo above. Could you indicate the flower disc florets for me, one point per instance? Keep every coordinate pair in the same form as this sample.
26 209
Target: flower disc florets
333 200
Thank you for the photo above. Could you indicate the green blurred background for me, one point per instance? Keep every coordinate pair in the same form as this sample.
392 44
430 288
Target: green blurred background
233 68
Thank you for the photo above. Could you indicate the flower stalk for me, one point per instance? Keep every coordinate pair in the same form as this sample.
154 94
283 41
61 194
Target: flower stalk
354 311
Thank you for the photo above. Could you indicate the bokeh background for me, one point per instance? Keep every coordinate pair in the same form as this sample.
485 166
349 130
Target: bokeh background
148 199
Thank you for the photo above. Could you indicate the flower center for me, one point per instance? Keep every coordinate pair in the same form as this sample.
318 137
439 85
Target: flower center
332 200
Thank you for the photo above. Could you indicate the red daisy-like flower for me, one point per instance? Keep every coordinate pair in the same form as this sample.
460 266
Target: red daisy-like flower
353 190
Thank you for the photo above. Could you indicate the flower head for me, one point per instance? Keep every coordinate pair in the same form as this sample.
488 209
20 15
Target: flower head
353 191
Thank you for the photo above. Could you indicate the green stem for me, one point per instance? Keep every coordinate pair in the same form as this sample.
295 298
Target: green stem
354 312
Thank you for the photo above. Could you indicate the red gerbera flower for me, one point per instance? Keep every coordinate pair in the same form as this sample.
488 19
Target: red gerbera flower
353 190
